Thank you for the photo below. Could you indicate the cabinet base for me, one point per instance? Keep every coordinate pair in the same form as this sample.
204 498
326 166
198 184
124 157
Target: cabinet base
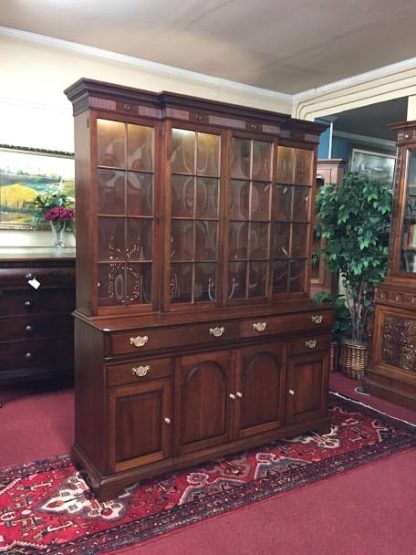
390 390
109 486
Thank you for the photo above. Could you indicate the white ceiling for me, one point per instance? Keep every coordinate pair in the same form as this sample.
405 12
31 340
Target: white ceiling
283 45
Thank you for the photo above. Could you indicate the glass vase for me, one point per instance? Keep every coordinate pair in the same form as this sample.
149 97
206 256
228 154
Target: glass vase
58 233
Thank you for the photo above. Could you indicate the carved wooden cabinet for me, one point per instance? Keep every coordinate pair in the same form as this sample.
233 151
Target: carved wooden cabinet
37 296
195 336
392 371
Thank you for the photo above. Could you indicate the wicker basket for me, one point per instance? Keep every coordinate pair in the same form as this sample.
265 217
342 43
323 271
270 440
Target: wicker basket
353 359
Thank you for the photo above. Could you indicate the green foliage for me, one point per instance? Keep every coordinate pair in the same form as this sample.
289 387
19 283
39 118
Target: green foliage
354 220
342 320
46 201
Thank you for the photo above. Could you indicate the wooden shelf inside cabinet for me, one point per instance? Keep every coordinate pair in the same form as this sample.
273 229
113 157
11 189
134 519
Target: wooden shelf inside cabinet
194 233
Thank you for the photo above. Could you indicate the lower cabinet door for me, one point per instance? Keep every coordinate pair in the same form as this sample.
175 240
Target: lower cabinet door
203 409
259 392
140 423
307 387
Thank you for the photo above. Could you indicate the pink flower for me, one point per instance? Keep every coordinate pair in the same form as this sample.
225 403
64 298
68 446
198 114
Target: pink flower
59 213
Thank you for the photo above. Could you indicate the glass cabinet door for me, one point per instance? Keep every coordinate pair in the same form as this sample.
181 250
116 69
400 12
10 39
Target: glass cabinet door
408 239
291 212
194 225
249 217
125 170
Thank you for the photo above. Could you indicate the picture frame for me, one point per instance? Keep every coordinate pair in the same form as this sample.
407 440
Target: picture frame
377 165
26 173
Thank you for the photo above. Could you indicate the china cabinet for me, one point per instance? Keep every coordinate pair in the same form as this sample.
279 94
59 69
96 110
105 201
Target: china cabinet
37 296
194 333
392 371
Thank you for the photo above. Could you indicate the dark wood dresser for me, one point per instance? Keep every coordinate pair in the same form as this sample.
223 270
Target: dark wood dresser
37 297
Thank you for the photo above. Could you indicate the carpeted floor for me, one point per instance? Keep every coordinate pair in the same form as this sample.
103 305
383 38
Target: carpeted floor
46 506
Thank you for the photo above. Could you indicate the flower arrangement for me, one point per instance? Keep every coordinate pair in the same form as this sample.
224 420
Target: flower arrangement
59 213
53 207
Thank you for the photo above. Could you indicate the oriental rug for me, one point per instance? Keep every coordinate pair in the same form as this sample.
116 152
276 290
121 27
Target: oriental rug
46 506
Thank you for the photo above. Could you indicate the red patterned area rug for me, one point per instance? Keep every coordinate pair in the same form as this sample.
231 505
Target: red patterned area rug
46 506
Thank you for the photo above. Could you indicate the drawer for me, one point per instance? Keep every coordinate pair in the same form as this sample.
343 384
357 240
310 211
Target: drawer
48 354
44 301
148 339
48 277
310 344
36 327
138 371
255 327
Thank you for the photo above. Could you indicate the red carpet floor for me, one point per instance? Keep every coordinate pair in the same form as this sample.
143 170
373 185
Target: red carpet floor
369 510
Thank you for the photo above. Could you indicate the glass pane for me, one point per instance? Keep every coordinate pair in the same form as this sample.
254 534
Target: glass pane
238 240
297 276
408 259
301 202
139 194
111 141
282 203
280 240
257 285
206 198
183 151
260 201
262 161
259 240
280 275
182 201
138 284
299 239
239 197
205 282
205 240
285 164
237 280
139 147
110 194
180 287
111 238
240 161
139 239
111 278
303 171
208 154
182 240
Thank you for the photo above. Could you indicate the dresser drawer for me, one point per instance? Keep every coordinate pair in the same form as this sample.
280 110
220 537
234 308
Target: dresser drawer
137 371
47 277
35 327
19 302
256 327
310 344
148 339
36 352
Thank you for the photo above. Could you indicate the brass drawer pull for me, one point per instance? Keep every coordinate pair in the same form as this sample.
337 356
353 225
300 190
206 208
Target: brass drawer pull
259 326
311 343
216 332
139 341
140 371
167 420
317 318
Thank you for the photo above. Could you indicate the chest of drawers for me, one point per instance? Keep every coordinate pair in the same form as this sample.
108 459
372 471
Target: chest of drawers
37 296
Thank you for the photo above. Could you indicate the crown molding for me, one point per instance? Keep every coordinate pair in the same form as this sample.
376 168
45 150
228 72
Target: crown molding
143 64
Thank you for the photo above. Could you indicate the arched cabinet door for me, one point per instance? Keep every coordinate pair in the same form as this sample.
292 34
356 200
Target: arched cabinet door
203 405
260 389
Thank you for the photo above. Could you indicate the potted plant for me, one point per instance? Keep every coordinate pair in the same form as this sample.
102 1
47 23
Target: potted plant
354 220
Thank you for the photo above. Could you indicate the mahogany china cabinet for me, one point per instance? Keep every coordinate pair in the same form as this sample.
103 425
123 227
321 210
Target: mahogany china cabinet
194 333
392 369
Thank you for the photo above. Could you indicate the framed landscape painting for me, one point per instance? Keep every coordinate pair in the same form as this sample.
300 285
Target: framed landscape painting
378 166
26 173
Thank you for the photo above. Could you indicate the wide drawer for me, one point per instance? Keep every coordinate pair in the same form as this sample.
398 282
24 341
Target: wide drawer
47 277
310 344
35 327
22 354
256 327
44 301
138 371
148 339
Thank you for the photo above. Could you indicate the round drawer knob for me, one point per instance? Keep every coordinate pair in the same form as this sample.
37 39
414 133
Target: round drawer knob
29 328
28 304
291 391
239 394
28 356
167 420
232 396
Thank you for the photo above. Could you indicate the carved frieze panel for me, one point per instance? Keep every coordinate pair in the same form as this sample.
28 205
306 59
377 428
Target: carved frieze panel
399 342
